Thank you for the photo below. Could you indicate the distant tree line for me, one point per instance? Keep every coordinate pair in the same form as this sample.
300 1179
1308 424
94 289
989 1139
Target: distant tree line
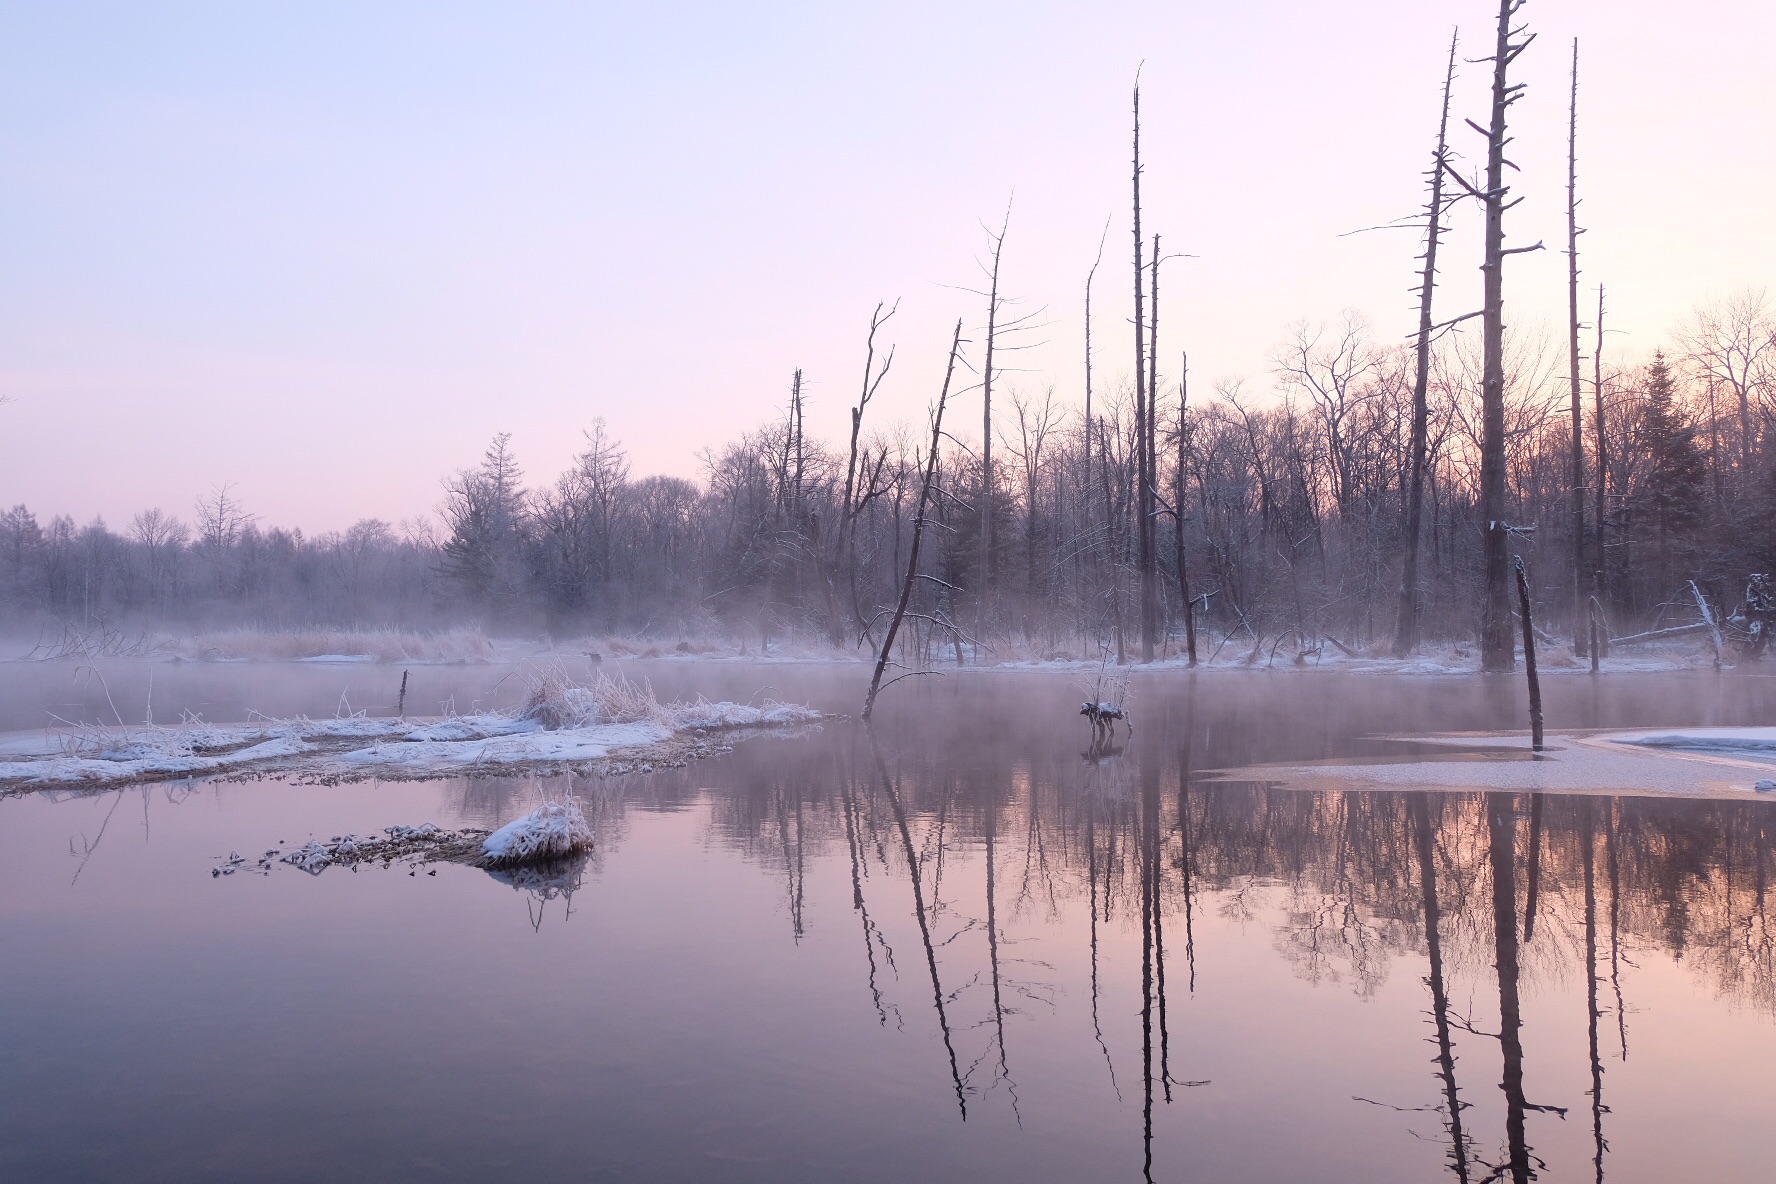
1293 513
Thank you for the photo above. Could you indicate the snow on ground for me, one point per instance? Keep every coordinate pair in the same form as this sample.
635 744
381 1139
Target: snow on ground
561 725
1723 763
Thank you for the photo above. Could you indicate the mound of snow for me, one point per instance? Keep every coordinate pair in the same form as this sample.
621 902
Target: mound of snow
554 830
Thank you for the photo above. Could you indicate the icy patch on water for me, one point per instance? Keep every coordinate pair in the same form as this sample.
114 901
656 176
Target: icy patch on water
1754 743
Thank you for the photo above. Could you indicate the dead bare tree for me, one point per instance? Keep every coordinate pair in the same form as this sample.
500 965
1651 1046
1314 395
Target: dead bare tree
1572 324
1496 649
1148 503
912 570
1088 351
1406 628
1143 538
1600 572
985 573
1178 509
853 506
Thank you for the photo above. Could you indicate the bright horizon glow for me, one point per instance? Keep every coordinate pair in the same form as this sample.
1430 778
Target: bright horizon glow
326 254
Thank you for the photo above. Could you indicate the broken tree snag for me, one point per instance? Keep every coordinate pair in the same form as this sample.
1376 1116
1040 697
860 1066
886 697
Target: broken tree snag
1572 353
1406 626
1596 642
912 571
1495 621
1714 632
1529 658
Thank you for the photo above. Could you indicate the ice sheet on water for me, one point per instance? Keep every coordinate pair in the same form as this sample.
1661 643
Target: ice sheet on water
1756 743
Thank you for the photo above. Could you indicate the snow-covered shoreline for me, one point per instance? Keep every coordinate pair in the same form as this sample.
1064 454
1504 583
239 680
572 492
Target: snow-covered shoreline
358 747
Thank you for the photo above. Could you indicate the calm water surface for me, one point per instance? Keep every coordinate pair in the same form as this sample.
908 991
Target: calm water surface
965 947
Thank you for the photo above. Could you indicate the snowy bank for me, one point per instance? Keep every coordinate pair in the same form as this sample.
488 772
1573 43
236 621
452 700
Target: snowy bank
562 725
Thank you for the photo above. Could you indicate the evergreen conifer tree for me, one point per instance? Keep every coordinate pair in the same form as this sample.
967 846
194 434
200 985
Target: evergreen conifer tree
1669 501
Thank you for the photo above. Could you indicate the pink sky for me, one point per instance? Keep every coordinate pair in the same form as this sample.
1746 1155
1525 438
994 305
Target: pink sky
327 254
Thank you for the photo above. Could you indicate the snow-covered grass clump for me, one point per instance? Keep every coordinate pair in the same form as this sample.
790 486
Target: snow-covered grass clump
554 830
557 702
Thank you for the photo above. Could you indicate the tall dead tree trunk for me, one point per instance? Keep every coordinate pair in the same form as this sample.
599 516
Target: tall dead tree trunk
912 570
1496 649
1089 276
1141 394
1178 515
1406 626
985 574
1572 342
1601 572
1150 623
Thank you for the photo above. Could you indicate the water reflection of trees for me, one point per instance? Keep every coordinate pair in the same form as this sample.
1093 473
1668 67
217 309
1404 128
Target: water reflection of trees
971 855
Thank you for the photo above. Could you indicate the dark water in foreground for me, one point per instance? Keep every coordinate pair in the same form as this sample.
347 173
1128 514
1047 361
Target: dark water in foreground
964 949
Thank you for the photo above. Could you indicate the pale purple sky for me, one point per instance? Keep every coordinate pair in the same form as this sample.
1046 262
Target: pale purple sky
326 250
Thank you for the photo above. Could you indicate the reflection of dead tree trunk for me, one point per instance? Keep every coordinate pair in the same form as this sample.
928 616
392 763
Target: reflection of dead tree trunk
1091 847
1591 1011
912 571
854 842
1149 793
1406 628
992 828
1501 818
915 871
1184 845
1535 868
1424 837
1615 879
1155 863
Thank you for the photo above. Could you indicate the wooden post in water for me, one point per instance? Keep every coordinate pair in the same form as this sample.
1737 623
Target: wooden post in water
401 706
1529 659
1595 653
